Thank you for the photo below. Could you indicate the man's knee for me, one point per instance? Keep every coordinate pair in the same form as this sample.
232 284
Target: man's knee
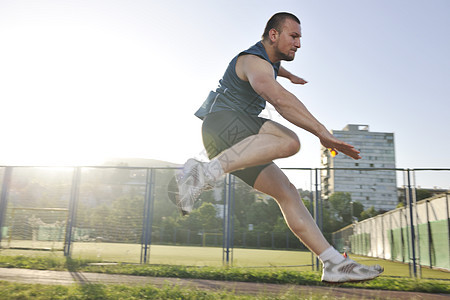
289 141
291 145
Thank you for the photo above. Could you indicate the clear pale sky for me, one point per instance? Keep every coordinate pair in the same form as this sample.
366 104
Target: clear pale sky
87 79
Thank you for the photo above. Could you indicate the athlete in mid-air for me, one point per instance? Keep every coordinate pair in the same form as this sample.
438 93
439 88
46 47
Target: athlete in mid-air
240 142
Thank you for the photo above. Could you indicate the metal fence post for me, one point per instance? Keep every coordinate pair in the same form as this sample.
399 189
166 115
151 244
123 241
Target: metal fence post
75 189
311 206
416 229
382 238
448 223
233 198
402 235
411 221
224 223
4 198
430 236
148 217
228 228
391 236
317 209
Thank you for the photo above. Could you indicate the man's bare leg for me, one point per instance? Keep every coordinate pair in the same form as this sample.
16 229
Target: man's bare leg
336 268
273 141
273 182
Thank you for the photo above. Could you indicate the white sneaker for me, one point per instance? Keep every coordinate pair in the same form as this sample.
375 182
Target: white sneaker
349 271
192 181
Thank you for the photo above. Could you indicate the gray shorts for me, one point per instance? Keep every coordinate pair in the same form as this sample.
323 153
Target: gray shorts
223 129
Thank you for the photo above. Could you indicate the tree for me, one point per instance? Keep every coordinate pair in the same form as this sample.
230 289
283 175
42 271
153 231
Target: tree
344 209
280 225
264 214
341 205
400 204
423 194
307 204
358 208
369 213
329 221
203 218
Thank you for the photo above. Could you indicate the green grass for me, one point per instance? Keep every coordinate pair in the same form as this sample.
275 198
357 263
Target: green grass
264 275
212 256
177 255
192 256
17 291
279 276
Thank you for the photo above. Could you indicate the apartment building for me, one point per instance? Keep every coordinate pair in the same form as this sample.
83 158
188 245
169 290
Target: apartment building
371 179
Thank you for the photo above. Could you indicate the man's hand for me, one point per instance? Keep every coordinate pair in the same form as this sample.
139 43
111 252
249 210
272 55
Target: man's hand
297 80
336 145
293 78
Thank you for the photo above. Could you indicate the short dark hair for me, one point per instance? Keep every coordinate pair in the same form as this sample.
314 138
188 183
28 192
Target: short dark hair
276 22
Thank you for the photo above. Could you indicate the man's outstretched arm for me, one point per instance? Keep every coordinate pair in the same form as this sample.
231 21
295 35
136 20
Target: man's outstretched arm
260 75
293 78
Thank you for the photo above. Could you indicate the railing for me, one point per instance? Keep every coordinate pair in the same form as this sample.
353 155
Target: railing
86 205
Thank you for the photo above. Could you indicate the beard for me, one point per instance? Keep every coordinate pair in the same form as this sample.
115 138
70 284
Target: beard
288 57
284 56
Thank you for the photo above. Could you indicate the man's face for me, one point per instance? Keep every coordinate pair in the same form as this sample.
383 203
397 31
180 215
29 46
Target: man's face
288 40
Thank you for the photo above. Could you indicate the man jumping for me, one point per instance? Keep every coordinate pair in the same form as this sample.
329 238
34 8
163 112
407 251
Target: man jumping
240 142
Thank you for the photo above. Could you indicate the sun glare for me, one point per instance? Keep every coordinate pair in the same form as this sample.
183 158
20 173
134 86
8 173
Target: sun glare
66 90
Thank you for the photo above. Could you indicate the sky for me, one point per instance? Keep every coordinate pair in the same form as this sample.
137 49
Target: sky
84 80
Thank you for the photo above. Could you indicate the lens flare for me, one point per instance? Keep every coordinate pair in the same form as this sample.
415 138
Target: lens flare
333 152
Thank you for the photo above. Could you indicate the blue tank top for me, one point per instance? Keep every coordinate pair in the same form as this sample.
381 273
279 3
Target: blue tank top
234 93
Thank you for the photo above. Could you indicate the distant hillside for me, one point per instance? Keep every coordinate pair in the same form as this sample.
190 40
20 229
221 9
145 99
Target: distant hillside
138 162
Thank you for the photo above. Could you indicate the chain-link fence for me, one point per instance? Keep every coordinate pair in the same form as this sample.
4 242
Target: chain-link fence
117 213
417 233
390 236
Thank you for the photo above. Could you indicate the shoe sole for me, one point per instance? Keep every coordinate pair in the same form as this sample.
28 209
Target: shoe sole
352 281
348 281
